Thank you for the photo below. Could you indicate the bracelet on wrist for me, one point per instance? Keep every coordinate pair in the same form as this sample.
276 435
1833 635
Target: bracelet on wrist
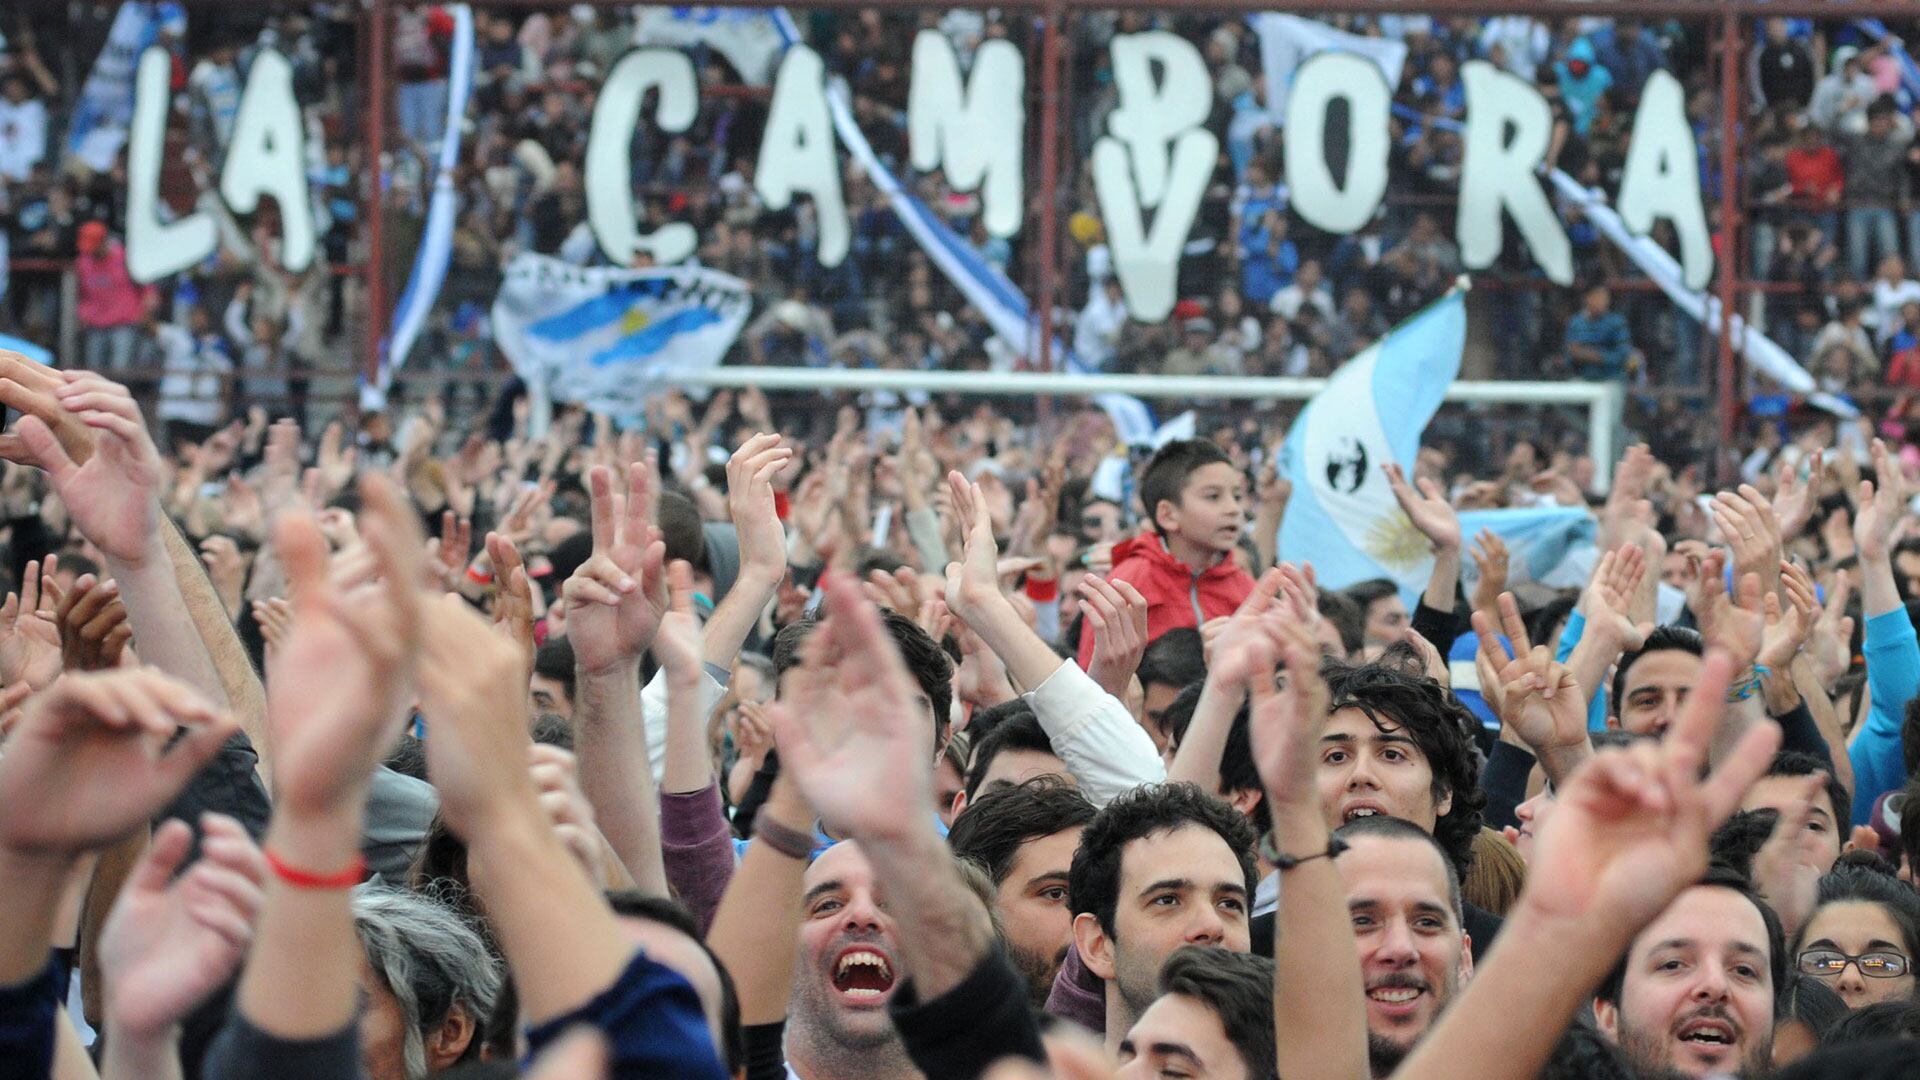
792 843
307 879
1270 850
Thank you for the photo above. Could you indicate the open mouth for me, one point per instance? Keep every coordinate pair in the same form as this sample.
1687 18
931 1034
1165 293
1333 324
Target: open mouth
863 975
1707 1034
1360 810
1394 995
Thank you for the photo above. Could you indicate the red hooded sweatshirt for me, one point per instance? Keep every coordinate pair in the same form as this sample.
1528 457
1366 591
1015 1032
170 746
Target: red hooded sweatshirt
1176 596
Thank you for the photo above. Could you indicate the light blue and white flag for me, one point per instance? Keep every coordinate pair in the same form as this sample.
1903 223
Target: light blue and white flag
98 129
1288 40
436 242
747 37
1342 516
608 337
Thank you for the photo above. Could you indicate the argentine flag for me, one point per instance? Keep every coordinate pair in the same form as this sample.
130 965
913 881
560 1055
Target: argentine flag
1343 518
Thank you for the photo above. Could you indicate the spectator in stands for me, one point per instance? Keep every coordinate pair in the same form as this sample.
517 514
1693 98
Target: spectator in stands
419 48
111 307
23 127
1598 344
1783 70
1876 185
1840 100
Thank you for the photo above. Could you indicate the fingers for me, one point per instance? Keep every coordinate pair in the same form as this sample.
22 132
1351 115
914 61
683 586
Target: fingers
680 588
1490 645
600 490
30 588
1514 625
1691 734
164 854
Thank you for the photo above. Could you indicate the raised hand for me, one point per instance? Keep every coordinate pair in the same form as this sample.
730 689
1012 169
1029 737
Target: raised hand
849 733
1490 558
1609 598
1427 508
474 694
171 942
93 626
448 553
1285 724
32 389
29 634
226 569
342 677
1794 498
676 645
615 600
1881 509
1735 623
1830 646
512 595
113 496
1747 524
1540 700
1118 614
97 755
974 581
1787 628
1787 868
556 776
750 473
1629 830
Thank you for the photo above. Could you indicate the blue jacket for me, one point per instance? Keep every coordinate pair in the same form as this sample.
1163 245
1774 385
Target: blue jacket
1893 677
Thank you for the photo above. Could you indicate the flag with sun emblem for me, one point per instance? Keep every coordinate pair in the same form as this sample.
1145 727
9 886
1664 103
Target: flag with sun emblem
608 337
1342 516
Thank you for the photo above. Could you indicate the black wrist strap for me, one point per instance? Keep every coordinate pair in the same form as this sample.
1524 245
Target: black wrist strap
1270 851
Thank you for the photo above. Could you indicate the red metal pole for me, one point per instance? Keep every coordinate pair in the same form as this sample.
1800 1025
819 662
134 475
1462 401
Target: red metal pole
379 15
1730 44
1048 276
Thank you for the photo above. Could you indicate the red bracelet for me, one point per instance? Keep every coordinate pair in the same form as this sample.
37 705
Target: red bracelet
1042 590
302 879
479 578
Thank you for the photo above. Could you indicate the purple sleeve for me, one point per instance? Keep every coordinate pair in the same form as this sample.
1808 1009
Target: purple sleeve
698 849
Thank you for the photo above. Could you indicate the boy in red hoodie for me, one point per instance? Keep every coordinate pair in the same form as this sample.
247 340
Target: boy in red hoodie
1185 569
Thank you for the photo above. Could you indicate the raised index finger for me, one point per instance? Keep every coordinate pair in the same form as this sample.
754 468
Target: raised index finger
600 491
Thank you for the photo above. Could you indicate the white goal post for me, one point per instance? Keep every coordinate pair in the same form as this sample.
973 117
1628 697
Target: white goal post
1601 400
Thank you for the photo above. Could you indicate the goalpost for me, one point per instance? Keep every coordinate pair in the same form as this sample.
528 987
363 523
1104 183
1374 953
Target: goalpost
1602 401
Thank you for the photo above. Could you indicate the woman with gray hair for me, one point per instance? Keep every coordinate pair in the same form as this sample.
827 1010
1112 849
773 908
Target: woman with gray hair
430 985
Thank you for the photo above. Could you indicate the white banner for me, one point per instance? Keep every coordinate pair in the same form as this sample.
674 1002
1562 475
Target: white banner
105 108
608 337
1287 40
745 36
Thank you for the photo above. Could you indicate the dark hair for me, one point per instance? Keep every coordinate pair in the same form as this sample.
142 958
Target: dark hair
634 904
985 720
1812 1002
1557 610
1883 1020
1800 763
1439 725
1718 877
1165 476
1175 658
925 661
552 729
1740 838
681 528
1584 1054
1237 770
1015 733
1093 884
554 660
1879 1059
1179 713
1366 592
993 828
1868 861
1910 825
1850 884
1393 828
1238 987
1663 639
1347 617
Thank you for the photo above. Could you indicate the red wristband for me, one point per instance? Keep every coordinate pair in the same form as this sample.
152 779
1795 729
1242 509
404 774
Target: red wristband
1043 590
302 879
781 505
478 578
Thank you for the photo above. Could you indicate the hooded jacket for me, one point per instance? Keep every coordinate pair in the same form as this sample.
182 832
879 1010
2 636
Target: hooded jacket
1176 595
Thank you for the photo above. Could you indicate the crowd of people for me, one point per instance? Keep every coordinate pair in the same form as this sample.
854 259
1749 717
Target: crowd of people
718 751
1827 179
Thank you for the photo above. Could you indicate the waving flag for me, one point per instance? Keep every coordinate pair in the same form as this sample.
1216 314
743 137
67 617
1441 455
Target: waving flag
609 337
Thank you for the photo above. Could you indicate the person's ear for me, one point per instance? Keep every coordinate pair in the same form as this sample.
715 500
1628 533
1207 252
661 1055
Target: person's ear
1466 956
1606 1017
1445 804
1613 721
1096 948
1244 802
1166 514
448 1042
959 803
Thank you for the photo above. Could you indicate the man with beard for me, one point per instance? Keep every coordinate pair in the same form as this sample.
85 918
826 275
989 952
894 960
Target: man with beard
1694 996
1404 901
898 974
1024 837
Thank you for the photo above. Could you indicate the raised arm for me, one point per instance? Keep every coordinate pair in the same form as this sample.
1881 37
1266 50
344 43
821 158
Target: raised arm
1540 701
1430 512
614 602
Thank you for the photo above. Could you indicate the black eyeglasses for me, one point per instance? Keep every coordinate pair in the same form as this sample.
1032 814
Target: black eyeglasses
1828 963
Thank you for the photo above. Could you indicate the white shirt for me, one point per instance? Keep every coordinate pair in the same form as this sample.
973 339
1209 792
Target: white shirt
1288 301
1887 302
23 137
1096 333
